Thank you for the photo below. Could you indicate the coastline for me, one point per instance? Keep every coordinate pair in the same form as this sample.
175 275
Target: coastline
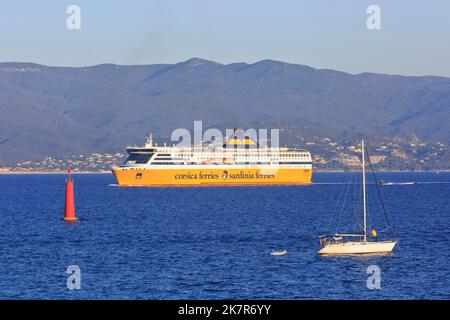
51 172
108 172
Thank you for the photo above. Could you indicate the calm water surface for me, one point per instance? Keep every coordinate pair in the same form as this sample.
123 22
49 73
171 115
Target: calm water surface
214 243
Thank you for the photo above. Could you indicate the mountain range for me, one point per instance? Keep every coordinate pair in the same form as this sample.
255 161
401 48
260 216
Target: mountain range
61 111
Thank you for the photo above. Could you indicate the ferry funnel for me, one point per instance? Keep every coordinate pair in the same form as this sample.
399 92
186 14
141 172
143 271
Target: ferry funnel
69 213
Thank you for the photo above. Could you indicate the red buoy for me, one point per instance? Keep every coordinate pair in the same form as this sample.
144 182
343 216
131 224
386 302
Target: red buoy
69 214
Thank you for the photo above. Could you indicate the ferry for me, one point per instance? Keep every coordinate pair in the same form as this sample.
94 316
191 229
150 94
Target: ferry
236 161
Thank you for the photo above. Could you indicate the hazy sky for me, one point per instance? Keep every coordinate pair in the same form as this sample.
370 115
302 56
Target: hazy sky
414 39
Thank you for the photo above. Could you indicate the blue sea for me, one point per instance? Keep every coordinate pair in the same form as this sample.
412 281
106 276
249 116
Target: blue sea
215 242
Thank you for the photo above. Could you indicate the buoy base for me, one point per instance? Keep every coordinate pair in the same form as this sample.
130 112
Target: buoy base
70 219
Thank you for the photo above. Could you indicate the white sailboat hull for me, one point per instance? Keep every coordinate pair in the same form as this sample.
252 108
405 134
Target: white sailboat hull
356 247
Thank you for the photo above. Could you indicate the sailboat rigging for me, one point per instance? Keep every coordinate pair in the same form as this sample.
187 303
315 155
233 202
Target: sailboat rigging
338 244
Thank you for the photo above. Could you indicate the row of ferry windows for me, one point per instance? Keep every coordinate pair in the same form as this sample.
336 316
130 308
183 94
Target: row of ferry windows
144 160
234 158
237 163
237 159
145 157
202 155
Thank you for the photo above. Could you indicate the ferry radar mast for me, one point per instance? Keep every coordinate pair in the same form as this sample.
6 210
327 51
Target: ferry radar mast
149 142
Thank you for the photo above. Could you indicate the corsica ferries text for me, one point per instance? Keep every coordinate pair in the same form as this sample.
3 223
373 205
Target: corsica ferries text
225 175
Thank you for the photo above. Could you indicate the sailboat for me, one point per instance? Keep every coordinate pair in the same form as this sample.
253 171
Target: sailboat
359 242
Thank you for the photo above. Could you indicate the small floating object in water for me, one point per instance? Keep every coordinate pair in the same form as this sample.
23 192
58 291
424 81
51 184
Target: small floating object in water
278 253
398 183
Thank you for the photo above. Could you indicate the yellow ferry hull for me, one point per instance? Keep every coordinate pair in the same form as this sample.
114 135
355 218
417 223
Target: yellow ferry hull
211 177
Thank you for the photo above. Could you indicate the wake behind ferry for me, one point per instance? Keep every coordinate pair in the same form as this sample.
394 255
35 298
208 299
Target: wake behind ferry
238 160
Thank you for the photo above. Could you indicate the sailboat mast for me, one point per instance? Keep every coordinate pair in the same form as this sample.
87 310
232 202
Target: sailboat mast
364 189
